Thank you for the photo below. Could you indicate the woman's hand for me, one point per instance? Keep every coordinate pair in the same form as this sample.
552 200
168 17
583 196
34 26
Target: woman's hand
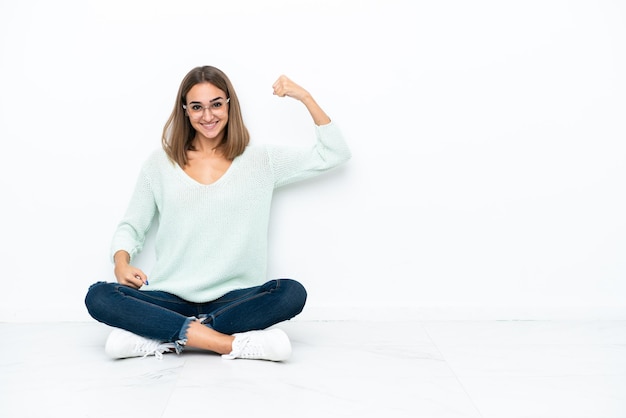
285 87
126 274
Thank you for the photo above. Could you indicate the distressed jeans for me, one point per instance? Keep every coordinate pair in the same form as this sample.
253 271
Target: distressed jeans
165 317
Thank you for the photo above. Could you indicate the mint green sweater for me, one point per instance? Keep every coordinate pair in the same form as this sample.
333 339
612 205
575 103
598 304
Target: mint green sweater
212 239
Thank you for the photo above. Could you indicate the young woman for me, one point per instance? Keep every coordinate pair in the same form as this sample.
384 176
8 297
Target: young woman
211 193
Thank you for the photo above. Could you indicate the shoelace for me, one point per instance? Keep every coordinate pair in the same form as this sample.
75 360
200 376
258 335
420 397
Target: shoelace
152 347
244 349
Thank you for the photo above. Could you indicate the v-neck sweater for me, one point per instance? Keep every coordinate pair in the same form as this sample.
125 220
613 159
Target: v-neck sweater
212 238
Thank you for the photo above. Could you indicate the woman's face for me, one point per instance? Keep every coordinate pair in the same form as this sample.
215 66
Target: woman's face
207 109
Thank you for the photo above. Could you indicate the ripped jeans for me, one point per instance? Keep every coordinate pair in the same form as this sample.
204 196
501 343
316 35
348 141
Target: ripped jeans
165 317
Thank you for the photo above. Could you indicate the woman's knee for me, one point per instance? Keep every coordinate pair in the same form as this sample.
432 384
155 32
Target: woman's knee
95 290
295 294
96 296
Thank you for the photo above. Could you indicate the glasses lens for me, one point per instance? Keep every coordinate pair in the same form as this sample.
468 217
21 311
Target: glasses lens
216 107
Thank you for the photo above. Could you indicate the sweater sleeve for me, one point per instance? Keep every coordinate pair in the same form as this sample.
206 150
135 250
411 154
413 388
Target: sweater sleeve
291 164
131 232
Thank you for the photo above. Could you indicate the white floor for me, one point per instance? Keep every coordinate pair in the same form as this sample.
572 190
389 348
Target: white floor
487 369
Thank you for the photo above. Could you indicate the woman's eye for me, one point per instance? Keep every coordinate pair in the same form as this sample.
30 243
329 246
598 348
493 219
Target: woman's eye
196 107
217 105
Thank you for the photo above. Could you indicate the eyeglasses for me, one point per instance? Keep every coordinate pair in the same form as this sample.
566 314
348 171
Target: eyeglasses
217 107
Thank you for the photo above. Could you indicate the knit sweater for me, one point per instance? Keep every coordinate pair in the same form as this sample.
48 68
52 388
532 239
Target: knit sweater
212 239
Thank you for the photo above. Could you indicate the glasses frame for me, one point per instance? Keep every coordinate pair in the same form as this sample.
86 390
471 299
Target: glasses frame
200 112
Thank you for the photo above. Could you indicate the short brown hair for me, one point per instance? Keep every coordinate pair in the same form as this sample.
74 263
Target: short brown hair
178 133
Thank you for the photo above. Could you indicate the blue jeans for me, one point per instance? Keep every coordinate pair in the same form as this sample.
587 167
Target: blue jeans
165 317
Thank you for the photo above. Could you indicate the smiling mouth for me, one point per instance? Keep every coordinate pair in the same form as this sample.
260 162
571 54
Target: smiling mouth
209 125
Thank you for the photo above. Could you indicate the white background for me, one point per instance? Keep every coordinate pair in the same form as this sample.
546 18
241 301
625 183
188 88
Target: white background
488 139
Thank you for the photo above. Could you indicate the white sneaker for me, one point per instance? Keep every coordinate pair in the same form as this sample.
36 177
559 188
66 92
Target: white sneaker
124 344
270 344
